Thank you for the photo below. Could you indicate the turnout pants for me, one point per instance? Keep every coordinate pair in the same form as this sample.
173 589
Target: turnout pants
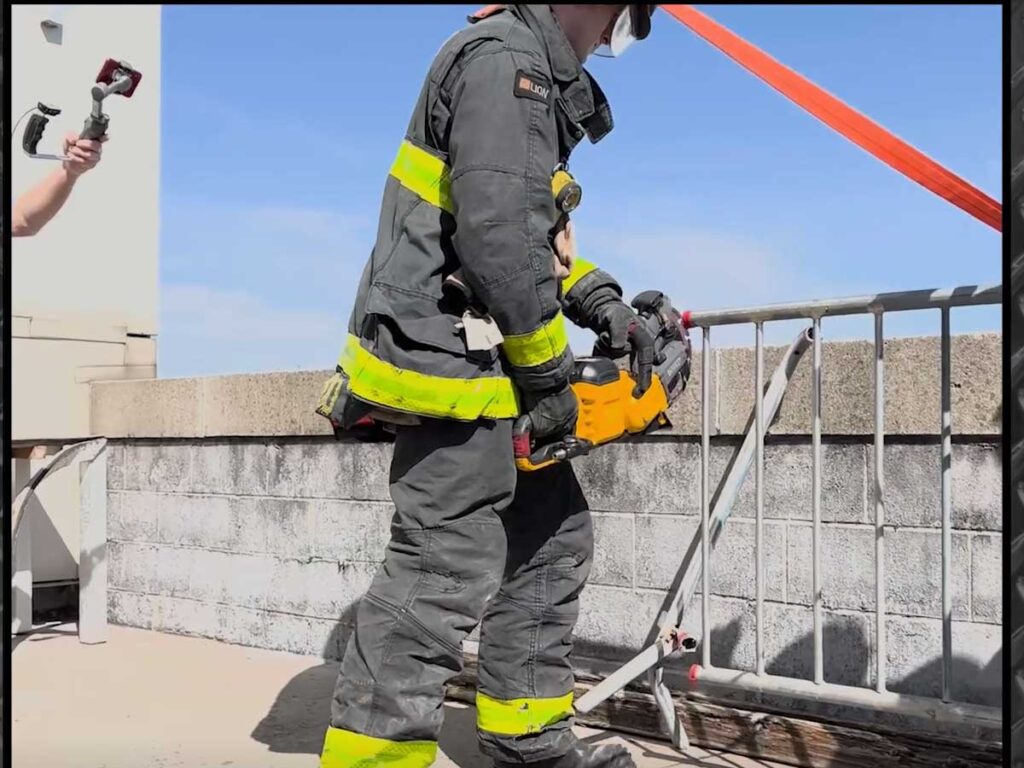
472 540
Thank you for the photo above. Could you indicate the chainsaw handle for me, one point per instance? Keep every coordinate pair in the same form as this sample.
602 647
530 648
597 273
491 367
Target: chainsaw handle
529 459
522 447
522 437
642 342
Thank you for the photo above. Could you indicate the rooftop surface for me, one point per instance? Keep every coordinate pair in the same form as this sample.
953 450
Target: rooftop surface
168 701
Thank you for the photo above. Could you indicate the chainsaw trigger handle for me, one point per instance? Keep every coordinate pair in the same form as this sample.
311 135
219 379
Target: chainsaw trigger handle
530 458
642 342
521 437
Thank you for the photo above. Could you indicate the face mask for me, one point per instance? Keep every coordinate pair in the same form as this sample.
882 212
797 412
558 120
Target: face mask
622 36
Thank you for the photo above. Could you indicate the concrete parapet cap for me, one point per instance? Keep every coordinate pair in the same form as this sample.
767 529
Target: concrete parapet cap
282 404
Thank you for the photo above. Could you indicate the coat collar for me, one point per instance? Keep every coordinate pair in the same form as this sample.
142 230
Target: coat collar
581 97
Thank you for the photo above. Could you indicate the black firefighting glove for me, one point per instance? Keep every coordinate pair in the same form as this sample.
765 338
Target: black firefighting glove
620 330
552 413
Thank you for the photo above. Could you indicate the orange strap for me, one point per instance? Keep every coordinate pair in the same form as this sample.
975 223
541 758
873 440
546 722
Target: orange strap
859 129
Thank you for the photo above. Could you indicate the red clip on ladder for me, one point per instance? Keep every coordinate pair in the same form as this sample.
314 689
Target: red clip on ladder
862 131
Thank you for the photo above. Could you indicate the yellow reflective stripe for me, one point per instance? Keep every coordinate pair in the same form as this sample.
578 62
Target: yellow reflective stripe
424 175
546 343
377 381
516 717
329 395
345 749
580 269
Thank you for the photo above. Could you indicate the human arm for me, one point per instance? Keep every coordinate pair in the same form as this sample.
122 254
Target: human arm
36 207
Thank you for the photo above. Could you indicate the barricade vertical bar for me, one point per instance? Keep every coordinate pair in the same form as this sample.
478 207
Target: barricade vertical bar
947 536
880 652
705 495
819 663
759 489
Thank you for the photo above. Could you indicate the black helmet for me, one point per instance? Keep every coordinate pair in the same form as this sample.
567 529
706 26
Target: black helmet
632 23
640 20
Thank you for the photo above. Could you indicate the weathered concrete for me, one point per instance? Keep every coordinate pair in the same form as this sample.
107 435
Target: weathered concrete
283 538
282 404
912 485
269 538
260 404
987 578
164 407
662 541
847 387
787 482
147 698
913 570
655 478
614 549
977 663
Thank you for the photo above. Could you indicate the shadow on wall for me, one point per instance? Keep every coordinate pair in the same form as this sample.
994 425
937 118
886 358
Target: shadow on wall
853 665
300 714
298 718
43 537
91 559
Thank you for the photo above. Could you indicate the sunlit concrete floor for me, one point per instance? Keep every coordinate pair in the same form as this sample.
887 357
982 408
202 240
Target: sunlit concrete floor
167 701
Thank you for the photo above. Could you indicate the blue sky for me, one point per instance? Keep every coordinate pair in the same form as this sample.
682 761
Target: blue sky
280 123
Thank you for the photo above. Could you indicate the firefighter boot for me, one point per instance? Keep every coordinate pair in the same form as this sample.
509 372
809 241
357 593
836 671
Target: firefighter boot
582 756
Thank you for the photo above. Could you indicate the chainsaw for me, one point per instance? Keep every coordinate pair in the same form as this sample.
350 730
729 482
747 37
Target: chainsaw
609 406
610 403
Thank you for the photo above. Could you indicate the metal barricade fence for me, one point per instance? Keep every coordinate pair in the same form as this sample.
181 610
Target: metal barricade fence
671 641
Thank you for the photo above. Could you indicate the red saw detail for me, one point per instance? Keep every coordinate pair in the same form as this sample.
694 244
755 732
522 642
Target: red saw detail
851 124
521 446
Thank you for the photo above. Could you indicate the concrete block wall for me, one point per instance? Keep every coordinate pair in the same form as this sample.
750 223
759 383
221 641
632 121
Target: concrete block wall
257 543
645 499
267 534
271 544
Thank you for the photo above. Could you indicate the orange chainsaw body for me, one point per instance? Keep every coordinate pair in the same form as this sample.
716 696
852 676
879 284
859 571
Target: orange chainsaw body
609 411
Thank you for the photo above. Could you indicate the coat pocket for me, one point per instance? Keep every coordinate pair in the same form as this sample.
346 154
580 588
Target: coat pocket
422 321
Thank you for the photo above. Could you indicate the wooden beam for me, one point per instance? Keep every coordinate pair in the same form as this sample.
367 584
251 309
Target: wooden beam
774 737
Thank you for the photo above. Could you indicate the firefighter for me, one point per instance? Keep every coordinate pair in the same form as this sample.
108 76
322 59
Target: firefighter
471 191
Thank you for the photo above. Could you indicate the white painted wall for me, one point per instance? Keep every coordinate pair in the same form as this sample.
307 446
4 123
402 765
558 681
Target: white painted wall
98 257
91 276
